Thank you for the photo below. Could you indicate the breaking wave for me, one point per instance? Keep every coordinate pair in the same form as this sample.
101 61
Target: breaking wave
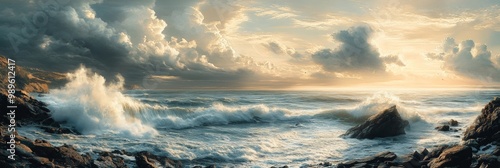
91 106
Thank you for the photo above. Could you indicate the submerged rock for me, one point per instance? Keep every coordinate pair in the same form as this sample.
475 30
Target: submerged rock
443 128
384 124
453 122
486 127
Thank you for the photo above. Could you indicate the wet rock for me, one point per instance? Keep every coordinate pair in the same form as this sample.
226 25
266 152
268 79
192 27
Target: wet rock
326 164
453 122
384 124
487 124
443 128
109 160
372 161
496 152
42 162
486 161
436 152
145 159
458 156
55 130
471 143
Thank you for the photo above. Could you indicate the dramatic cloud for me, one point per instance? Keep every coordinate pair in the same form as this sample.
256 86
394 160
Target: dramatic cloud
468 60
355 54
127 37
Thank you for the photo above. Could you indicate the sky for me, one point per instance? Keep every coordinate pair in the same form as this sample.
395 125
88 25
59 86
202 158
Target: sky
232 44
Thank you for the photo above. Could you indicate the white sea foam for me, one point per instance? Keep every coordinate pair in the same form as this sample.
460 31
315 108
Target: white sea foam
370 106
91 106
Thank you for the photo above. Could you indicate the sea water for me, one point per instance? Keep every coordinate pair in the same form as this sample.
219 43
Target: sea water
251 128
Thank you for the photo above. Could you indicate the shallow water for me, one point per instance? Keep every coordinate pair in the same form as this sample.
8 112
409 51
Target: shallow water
255 128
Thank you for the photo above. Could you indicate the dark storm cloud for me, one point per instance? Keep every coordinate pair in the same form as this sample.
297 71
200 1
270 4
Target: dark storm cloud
354 55
461 59
127 37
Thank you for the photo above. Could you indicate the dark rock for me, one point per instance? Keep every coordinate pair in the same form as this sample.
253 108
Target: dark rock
211 166
108 159
60 130
372 161
145 159
327 164
384 124
486 125
457 156
471 143
41 162
424 152
436 152
443 128
488 161
496 152
453 122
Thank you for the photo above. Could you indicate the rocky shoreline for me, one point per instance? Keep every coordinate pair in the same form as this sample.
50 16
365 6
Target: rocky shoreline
480 146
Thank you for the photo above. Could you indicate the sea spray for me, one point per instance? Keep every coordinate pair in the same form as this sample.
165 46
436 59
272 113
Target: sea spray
378 102
91 106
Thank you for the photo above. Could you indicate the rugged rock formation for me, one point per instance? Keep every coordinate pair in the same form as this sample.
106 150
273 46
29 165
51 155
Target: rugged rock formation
40 153
457 156
384 124
145 159
486 127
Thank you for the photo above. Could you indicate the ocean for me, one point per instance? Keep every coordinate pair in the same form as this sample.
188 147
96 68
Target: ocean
253 128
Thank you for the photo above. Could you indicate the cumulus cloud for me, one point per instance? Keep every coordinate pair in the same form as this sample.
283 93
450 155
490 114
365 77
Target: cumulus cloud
354 54
468 59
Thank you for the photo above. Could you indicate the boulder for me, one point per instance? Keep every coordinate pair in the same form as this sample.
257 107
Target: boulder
435 152
108 159
372 161
384 124
443 128
486 127
488 161
458 156
453 122
145 159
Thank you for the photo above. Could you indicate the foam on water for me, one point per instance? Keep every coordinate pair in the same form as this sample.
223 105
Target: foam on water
91 106
266 128
371 106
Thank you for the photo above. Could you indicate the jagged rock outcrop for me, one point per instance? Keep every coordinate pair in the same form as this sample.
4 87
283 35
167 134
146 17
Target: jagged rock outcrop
486 127
40 153
458 156
384 124
145 159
